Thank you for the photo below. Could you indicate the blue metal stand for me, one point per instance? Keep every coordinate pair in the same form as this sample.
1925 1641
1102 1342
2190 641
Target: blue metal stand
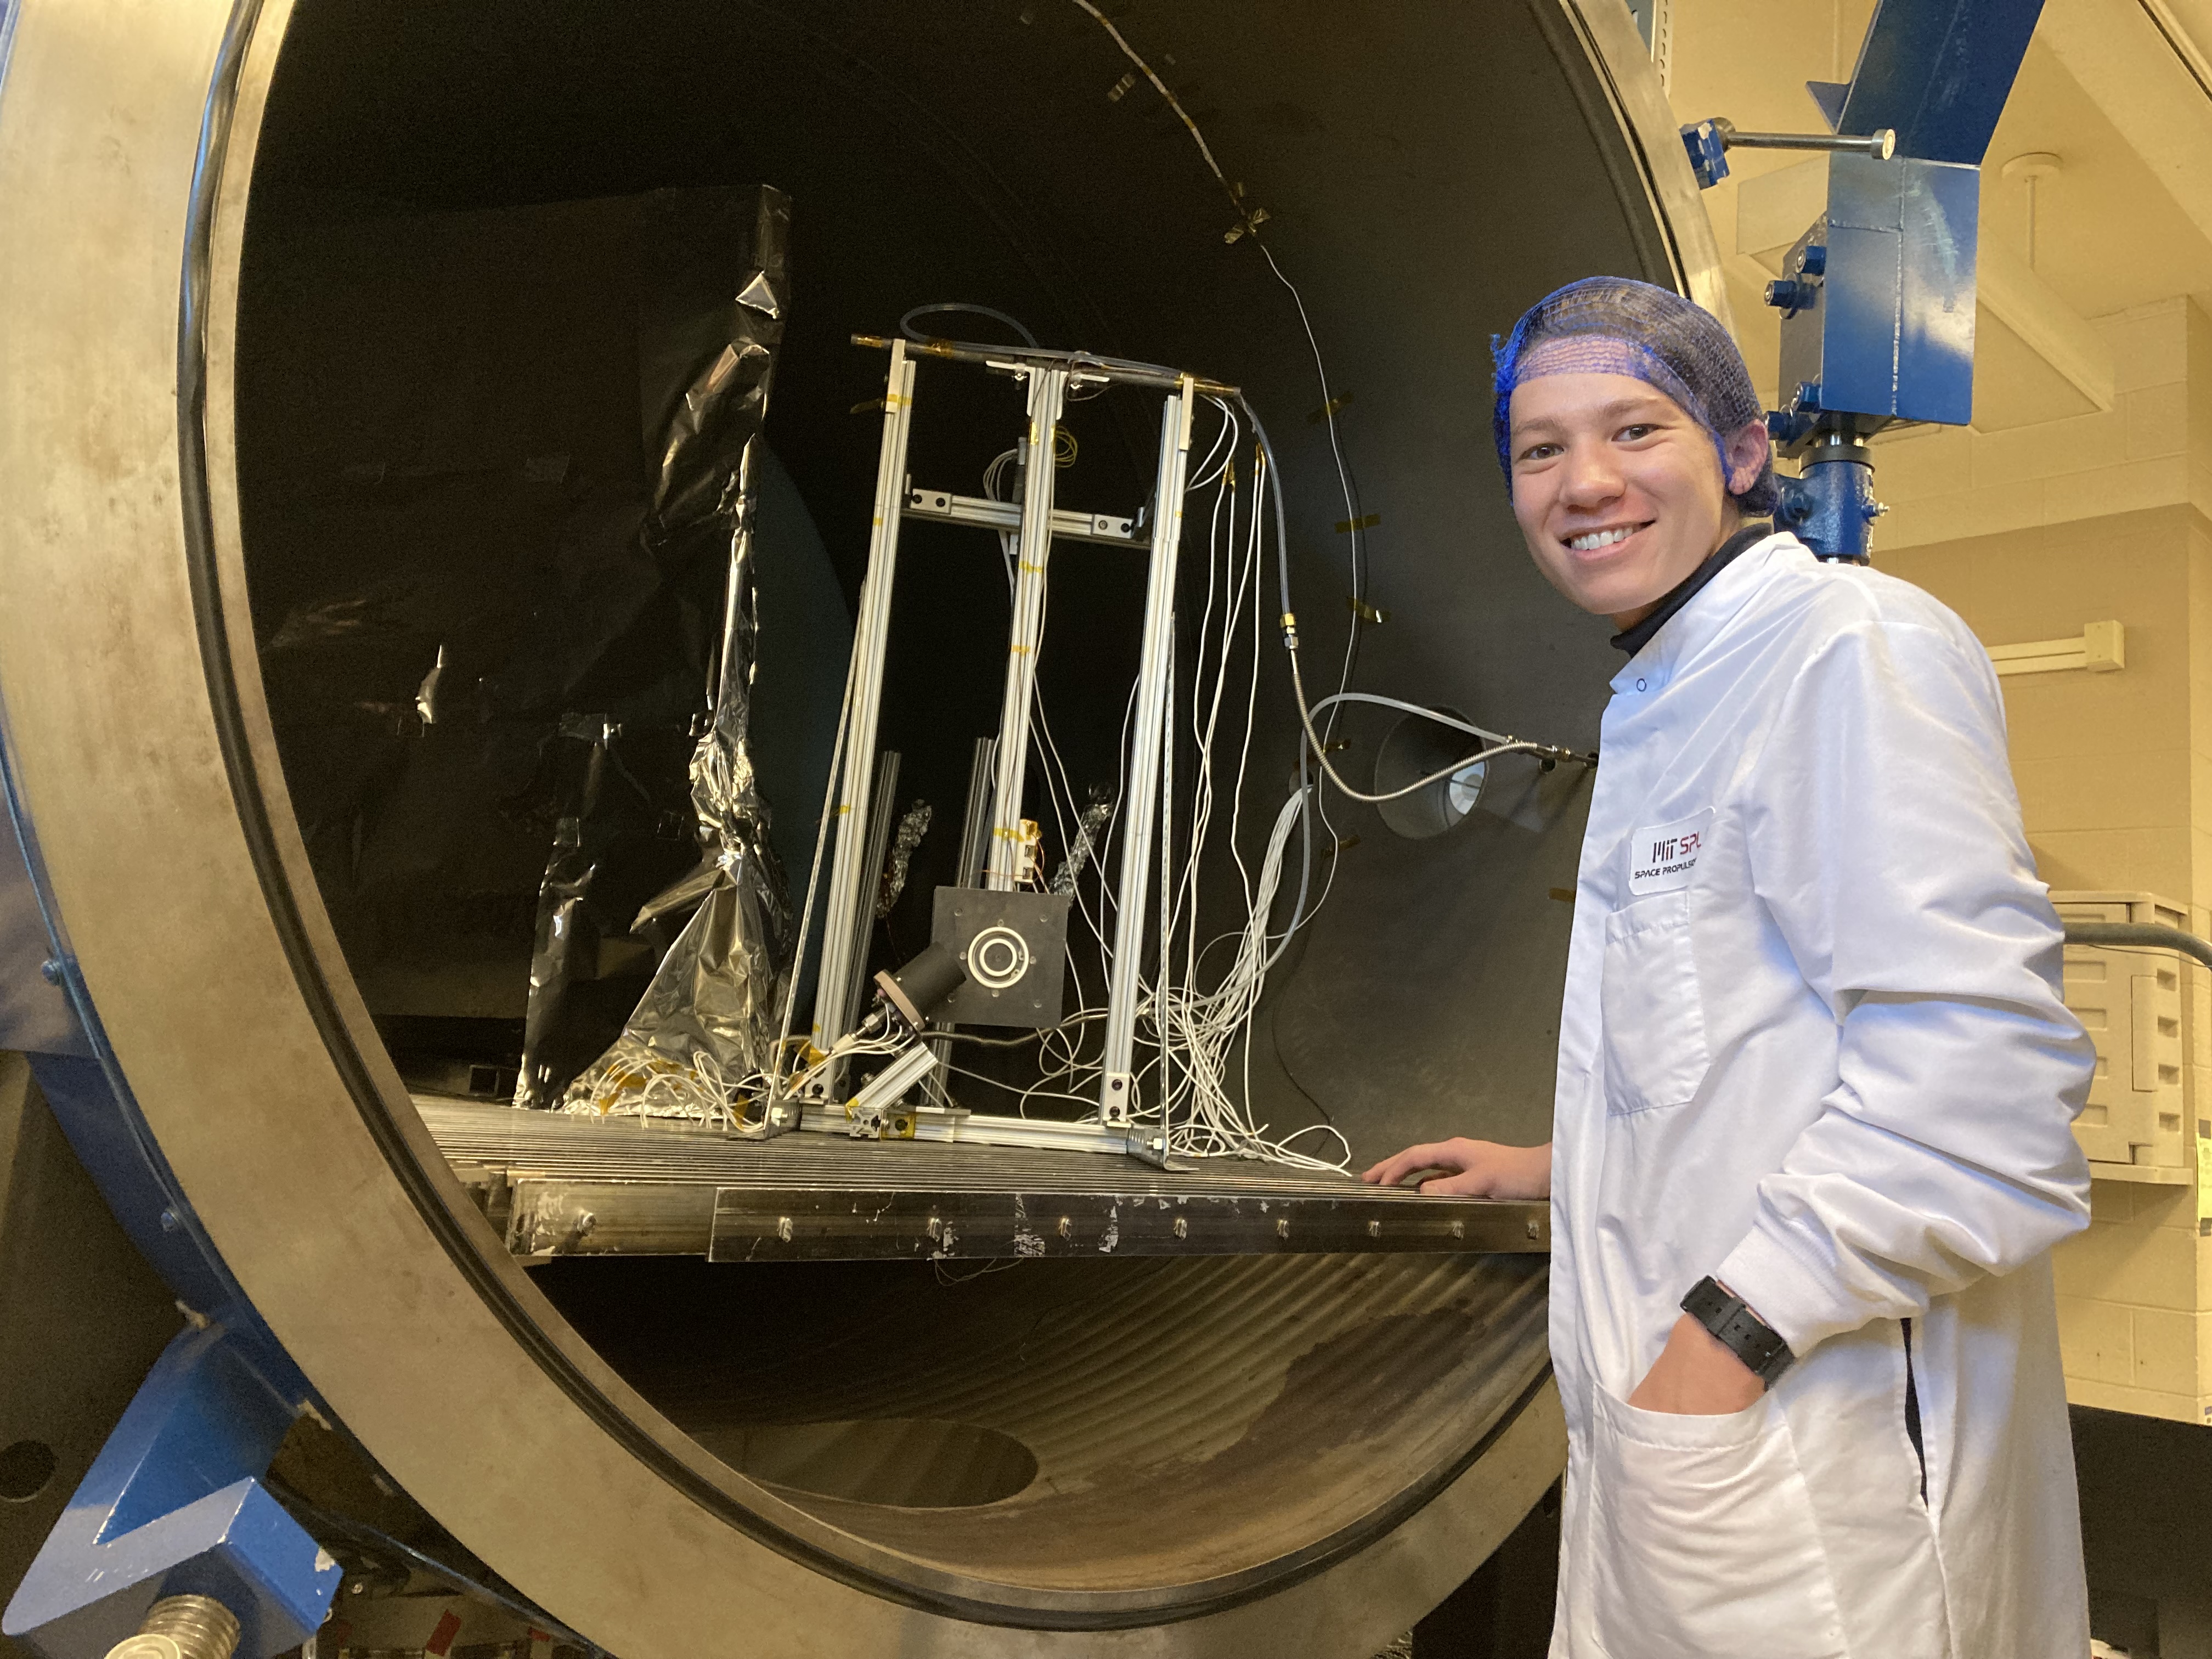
1830 505
1877 297
174 1505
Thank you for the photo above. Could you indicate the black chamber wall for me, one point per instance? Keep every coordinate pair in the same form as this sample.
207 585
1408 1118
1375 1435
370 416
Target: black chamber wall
1428 171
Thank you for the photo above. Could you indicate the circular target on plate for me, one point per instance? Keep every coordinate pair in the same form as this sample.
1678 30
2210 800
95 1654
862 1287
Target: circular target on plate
997 958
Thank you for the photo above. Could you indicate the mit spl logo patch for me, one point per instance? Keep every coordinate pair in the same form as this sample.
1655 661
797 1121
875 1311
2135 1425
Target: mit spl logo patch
1665 856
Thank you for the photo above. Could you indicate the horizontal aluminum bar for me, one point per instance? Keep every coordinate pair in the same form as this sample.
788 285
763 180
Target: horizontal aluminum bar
1079 365
1007 516
754 1224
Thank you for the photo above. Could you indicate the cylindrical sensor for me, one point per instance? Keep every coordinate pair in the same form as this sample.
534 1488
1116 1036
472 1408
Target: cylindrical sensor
923 985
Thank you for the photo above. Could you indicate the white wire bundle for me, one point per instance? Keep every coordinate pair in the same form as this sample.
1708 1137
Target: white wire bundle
646 1082
1203 1026
1198 1026
866 1039
1190 1027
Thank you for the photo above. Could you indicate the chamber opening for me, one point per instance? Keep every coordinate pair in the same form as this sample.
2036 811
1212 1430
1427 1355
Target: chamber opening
430 178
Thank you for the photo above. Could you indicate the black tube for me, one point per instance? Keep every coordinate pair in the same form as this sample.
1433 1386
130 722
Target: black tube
2138 935
920 988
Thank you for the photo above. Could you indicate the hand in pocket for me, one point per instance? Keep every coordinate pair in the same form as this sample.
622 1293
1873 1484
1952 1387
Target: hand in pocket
1696 1374
1705 1544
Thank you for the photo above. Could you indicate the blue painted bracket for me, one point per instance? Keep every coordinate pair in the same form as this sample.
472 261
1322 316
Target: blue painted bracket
1708 153
1832 508
1937 73
1877 297
174 1506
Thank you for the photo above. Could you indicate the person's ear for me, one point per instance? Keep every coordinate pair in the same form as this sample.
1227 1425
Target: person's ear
1747 449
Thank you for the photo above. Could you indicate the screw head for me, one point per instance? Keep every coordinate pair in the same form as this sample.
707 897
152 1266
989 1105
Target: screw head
51 970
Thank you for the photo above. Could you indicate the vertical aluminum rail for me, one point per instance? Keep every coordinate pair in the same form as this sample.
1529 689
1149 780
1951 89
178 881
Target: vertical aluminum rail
976 824
1032 552
847 874
877 848
1117 1095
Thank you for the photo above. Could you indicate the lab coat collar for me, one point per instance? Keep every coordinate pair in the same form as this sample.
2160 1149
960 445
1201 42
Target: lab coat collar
1693 628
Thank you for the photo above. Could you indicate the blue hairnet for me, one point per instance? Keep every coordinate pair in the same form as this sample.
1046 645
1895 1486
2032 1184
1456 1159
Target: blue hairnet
1618 325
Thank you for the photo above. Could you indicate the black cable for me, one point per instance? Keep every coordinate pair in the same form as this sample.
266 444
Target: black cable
2136 935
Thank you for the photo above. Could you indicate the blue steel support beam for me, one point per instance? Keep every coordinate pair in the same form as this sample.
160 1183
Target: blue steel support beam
174 1506
1938 73
1878 296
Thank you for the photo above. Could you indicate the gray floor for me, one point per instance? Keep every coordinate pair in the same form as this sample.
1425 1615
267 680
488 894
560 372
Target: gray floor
2146 1523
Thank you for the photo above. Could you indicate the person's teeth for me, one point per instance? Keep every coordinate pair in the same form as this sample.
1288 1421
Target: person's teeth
1598 538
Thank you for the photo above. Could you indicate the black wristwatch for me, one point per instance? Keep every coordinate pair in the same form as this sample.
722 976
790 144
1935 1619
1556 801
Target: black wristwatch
1738 1330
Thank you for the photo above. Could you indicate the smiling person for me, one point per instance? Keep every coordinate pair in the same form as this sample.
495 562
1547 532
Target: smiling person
1811 1139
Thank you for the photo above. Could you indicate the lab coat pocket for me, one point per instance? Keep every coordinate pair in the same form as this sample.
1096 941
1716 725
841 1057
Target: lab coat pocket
1707 1547
1655 1019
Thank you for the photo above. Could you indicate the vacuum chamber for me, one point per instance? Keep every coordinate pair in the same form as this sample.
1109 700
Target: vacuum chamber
1173 1455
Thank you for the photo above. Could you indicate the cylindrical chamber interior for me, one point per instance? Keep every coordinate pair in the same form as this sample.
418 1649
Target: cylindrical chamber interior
1187 1420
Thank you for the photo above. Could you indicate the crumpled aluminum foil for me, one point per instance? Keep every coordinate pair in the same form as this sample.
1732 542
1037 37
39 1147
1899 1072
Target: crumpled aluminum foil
707 1024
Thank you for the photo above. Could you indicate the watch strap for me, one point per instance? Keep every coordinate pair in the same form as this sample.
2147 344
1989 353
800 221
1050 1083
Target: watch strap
1738 1329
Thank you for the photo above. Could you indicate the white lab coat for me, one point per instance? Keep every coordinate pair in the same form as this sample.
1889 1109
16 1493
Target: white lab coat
1813 1045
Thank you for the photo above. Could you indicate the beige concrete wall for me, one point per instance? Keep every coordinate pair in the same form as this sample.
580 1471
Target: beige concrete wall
2133 1296
1947 483
2111 766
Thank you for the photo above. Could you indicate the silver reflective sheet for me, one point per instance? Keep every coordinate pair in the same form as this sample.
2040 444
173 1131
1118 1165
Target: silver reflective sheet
707 1023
